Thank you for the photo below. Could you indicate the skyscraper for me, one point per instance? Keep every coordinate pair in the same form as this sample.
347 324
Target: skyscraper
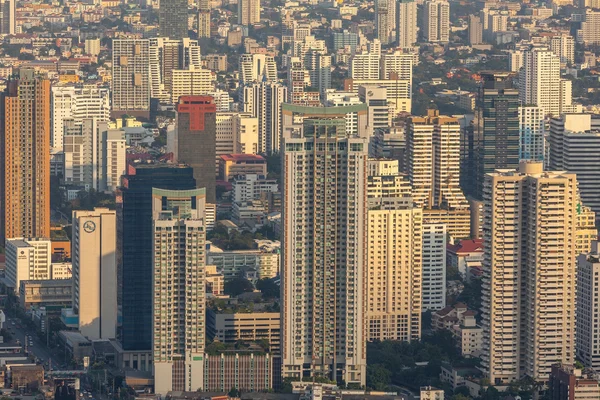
173 19
248 12
433 161
25 157
406 25
385 20
131 77
204 19
196 140
531 132
325 243
435 26
539 80
493 141
393 278
475 30
263 100
529 274
257 68
433 290
95 272
8 17
564 47
178 295
588 306
137 245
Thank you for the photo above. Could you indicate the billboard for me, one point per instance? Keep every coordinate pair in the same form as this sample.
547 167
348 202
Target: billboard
66 388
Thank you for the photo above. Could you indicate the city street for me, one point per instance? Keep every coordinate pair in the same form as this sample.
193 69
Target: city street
39 349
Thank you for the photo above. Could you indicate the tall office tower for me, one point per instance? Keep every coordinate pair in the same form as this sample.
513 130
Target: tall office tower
325 246
529 273
179 240
365 65
564 47
475 30
319 70
95 272
493 143
385 20
196 140
248 12
204 18
25 157
27 259
433 291
435 26
589 34
131 77
406 24
137 245
167 56
8 17
573 140
94 155
263 100
257 68
588 307
532 129
76 104
539 80
433 161
394 272
173 19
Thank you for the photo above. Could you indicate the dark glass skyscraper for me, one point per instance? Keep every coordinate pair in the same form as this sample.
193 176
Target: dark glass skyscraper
173 19
492 142
137 247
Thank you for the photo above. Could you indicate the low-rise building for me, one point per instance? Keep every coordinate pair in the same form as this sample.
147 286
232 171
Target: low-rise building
53 294
460 321
245 326
431 393
215 282
248 372
233 263
570 383
232 165
249 212
76 346
27 378
251 187
464 255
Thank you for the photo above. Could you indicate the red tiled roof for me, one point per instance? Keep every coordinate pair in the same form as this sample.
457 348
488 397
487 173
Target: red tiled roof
466 246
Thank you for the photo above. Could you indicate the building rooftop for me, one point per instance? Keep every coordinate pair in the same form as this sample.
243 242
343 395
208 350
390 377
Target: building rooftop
466 246
242 157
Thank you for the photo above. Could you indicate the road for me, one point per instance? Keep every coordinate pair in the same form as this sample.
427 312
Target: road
39 349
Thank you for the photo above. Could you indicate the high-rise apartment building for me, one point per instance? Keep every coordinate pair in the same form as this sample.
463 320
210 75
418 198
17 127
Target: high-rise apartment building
588 308
27 259
25 157
406 24
573 140
94 155
173 19
8 17
433 161
475 30
540 82
131 77
385 20
137 245
204 18
435 26
196 140
248 12
493 21
433 291
529 272
263 101
166 57
178 295
493 140
192 82
532 130
589 34
564 47
365 65
76 104
567 382
324 243
257 68
95 272
393 278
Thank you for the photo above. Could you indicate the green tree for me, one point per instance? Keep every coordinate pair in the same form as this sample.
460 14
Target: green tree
268 288
378 377
237 286
460 397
